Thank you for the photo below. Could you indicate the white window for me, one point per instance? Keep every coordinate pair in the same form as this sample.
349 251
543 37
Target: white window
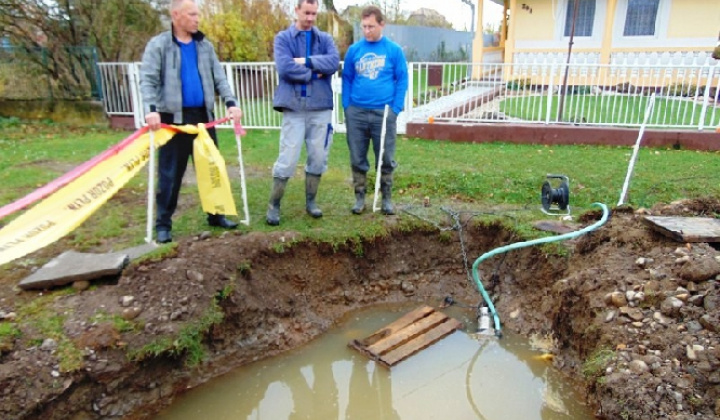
585 17
641 17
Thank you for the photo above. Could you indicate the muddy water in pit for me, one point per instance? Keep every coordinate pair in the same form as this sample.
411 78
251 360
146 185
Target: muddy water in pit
459 377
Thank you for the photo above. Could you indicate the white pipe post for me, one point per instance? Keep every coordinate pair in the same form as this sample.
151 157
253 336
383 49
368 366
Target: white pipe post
636 149
379 160
133 71
151 189
706 98
238 132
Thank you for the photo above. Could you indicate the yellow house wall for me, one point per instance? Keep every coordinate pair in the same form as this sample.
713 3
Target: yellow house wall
687 20
690 19
538 25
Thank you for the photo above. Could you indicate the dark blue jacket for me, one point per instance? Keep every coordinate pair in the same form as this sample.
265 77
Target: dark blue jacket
315 75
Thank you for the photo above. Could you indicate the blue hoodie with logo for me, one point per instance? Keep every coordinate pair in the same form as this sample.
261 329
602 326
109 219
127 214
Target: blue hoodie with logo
375 74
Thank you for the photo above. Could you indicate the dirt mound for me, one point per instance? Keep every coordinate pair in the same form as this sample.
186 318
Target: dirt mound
632 312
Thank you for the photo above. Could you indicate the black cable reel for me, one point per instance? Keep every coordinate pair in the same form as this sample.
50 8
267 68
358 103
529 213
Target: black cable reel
555 201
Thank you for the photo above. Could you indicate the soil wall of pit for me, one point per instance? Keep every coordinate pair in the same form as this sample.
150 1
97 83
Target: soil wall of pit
276 293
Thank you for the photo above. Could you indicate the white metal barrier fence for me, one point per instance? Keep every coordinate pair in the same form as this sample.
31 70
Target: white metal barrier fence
253 84
604 95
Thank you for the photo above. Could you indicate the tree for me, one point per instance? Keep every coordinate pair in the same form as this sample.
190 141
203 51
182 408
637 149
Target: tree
51 32
330 6
391 10
428 17
243 30
330 21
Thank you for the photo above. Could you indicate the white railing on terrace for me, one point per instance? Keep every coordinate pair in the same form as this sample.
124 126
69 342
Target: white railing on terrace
601 95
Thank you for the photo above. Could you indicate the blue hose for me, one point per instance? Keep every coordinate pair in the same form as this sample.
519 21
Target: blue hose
517 245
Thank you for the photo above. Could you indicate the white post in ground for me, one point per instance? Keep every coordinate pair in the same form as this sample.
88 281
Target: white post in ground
151 189
379 160
636 149
238 131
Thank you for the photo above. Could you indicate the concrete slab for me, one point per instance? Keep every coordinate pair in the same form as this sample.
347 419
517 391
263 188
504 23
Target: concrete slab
140 250
71 266
686 229
556 226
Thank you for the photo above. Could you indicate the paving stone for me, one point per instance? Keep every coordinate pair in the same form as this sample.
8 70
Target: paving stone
71 266
140 250
555 226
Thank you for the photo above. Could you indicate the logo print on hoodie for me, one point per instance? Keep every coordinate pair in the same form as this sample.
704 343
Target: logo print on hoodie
370 65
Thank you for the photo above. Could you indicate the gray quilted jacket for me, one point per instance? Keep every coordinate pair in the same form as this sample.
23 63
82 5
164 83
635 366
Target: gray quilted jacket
160 85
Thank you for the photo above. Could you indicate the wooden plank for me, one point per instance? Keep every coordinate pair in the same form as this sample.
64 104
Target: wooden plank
397 325
408 333
686 229
406 336
419 343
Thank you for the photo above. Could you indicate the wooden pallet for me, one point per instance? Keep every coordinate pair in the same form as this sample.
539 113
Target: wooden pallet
686 229
406 336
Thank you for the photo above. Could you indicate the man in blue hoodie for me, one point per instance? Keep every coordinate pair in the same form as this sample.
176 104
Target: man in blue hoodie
305 58
374 74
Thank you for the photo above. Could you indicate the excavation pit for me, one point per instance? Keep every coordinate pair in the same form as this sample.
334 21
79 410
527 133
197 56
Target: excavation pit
632 315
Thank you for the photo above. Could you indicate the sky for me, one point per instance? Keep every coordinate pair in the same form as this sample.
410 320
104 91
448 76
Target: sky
455 11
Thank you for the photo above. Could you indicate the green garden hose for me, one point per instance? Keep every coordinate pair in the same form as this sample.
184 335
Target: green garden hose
517 245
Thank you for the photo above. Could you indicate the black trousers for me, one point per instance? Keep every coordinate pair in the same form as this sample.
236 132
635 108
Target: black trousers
172 163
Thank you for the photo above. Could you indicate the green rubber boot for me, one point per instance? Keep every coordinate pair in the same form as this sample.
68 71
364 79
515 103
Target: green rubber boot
273 214
311 187
386 206
359 180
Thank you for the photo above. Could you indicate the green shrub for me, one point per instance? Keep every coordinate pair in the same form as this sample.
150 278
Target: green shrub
518 84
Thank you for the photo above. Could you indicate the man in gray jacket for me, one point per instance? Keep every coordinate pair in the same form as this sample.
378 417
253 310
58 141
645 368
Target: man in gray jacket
179 76
305 58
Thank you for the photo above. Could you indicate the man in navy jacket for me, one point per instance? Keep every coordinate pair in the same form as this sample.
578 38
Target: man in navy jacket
305 58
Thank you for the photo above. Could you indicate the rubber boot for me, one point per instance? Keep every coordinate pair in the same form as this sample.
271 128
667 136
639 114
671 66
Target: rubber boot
273 214
359 180
311 188
386 207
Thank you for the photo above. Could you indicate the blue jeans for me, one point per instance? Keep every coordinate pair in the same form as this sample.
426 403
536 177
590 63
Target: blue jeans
172 163
312 128
364 125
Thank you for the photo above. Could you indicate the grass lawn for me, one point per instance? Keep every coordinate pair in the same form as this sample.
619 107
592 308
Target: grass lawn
450 73
619 109
491 181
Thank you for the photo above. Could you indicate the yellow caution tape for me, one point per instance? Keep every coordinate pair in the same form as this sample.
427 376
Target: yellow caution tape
212 179
66 209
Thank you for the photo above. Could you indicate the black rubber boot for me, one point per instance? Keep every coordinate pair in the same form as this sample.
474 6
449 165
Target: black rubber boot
273 214
386 207
219 220
311 187
359 180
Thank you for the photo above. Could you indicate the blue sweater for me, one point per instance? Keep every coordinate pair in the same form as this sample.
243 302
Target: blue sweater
315 76
375 74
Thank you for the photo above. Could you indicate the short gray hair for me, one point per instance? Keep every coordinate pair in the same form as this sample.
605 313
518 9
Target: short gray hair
175 4
300 2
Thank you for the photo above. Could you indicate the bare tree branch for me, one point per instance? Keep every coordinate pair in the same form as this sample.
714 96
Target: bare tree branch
52 33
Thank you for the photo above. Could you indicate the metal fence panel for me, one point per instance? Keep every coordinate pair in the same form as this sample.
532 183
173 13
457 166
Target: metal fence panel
424 43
